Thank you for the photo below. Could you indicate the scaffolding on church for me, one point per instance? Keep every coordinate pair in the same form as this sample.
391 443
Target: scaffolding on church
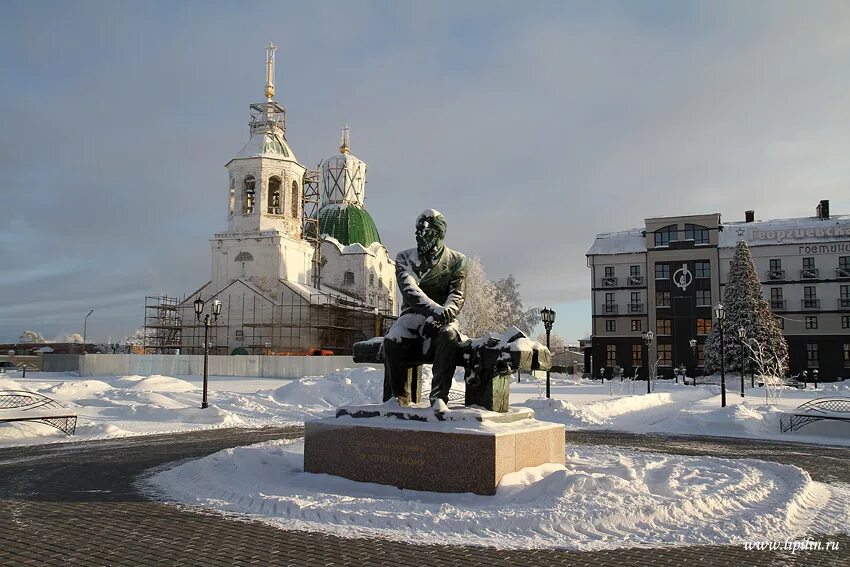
163 329
310 203
321 323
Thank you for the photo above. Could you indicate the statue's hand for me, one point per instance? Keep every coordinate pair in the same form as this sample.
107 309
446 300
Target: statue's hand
431 328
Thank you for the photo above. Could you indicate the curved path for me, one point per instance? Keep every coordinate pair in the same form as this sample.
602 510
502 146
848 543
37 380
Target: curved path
76 504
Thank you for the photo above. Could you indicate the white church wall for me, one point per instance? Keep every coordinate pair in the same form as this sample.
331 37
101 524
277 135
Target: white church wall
374 261
260 257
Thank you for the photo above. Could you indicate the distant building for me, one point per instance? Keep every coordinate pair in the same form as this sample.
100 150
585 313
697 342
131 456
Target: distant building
667 276
300 267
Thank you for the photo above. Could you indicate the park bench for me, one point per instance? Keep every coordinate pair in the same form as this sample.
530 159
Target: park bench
491 360
834 409
19 405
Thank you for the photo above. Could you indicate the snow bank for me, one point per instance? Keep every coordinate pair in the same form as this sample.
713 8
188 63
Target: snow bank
155 383
604 498
343 387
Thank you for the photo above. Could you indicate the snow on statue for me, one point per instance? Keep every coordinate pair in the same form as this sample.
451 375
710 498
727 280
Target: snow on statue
745 307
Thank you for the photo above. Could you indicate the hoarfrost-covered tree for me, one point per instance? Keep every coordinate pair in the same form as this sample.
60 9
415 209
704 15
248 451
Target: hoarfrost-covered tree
515 314
745 307
76 338
556 341
31 337
484 307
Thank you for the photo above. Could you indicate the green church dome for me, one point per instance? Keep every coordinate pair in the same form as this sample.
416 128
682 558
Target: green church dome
348 224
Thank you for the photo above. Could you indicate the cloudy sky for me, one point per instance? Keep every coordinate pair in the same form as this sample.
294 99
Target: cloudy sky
531 125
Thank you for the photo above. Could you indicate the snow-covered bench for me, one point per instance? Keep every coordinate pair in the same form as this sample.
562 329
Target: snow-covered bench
834 409
20 405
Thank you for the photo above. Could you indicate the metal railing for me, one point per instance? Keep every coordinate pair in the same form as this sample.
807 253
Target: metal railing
778 304
635 281
635 307
609 281
844 302
809 274
609 308
776 275
842 272
810 303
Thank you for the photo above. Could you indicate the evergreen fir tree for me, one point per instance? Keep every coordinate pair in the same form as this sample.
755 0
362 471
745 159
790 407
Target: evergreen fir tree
745 307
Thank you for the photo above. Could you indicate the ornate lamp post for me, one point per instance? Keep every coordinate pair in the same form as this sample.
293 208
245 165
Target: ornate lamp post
720 315
693 343
742 334
647 339
548 317
216 309
85 325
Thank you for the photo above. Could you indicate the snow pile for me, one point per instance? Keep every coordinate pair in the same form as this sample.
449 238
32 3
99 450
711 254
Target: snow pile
604 498
154 383
315 394
604 412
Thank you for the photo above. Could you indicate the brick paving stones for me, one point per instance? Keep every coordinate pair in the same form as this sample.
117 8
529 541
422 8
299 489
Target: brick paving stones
76 504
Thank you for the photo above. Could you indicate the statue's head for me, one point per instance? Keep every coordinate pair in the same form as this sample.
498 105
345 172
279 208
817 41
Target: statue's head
430 231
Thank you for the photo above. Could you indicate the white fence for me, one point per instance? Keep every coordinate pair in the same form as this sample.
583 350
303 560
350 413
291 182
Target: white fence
193 365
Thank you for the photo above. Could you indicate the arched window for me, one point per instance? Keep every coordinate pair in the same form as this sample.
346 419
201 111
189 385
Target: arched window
371 280
663 236
232 196
296 200
274 195
248 189
348 278
697 233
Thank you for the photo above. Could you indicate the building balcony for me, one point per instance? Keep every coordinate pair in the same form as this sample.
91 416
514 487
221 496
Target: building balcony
778 304
636 281
609 282
844 303
776 275
842 273
636 308
810 304
609 308
810 274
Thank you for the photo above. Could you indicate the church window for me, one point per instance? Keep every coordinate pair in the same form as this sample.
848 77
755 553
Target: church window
380 282
244 257
348 278
371 280
296 199
248 188
232 195
274 195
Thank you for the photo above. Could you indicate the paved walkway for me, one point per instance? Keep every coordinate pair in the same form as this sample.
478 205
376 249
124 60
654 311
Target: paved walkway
75 504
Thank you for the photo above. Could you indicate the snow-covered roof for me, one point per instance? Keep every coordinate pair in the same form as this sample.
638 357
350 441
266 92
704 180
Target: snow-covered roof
320 297
625 242
805 230
354 248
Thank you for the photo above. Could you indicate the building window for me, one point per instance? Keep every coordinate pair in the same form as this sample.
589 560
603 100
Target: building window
662 271
248 195
703 297
239 335
808 263
609 271
663 236
274 195
348 278
844 297
811 322
636 325
844 262
663 326
634 270
662 299
611 355
371 280
809 292
700 354
697 233
703 326
776 294
665 355
637 355
846 356
702 269
296 200
845 321
812 356
610 325
775 265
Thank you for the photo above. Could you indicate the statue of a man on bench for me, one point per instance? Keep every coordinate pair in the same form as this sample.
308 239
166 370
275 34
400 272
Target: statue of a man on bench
432 281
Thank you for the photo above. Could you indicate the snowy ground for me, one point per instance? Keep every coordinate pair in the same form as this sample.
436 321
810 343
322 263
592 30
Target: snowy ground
115 406
603 498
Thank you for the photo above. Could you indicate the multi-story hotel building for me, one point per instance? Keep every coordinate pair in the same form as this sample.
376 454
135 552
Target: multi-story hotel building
667 276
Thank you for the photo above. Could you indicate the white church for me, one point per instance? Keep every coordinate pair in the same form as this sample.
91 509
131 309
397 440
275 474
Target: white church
300 268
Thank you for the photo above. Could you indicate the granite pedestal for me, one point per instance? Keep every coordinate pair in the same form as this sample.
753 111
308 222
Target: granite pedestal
459 451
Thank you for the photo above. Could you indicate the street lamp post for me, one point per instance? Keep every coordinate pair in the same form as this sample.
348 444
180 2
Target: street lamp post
85 328
720 315
742 334
647 339
216 309
548 316
693 343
